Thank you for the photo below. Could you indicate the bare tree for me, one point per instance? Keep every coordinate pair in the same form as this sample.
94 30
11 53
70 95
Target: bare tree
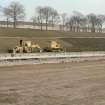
15 11
35 21
7 15
47 13
69 23
63 18
54 17
83 24
100 22
74 23
39 11
1 14
78 19
92 21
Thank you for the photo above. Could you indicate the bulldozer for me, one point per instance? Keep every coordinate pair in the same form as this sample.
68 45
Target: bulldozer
26 47
32 47
35 48
54 47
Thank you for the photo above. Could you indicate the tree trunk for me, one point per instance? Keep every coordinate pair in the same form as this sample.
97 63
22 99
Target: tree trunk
93 28
63 28
7 22
71 28
52 27
101 28
52 23
46 25
15 21
41 26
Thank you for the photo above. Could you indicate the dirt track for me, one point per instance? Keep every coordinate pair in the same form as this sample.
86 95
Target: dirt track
57 84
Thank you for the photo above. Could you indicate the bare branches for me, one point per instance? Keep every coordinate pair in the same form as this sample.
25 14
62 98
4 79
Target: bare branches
47 17
15 11
90 23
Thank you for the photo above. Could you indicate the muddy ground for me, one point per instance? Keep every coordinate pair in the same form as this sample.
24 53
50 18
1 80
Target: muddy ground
53 84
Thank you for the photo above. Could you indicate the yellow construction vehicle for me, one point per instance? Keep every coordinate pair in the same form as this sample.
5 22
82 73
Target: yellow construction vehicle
32 47
35 48
26 47
54 47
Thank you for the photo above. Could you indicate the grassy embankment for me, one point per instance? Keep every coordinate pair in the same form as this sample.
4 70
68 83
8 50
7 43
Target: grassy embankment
9 38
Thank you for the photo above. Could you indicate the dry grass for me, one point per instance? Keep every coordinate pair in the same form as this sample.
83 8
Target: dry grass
9 38
37 33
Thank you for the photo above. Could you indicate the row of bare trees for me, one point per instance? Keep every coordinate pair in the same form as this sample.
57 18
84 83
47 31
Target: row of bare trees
48 16
76 23
90 22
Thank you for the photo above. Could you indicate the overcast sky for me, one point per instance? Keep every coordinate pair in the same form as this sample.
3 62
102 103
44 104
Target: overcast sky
84 6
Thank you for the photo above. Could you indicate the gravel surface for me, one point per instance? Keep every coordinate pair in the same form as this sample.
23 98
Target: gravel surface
49 60
53 84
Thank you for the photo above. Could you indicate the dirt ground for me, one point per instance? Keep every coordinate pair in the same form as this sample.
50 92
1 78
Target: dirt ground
53 84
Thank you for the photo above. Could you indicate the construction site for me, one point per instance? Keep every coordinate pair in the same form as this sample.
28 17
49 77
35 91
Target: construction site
51 68
52 52
48 46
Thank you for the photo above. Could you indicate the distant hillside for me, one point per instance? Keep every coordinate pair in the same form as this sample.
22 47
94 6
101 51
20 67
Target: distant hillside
10 32
9 38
